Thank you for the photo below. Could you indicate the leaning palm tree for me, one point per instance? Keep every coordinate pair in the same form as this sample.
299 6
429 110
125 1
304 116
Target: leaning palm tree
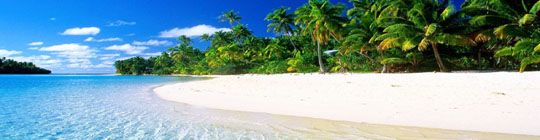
322 21
230 16
281 22
427 23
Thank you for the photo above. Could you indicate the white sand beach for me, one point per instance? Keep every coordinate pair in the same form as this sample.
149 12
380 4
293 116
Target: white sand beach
502 102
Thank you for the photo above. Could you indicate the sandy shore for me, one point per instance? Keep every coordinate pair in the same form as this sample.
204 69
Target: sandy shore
500 102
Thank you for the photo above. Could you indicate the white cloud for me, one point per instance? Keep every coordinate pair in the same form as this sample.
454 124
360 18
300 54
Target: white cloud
52 19
35 43
82 31
89 39
108 56
132 34
40 60
120 23
152 43
128 48
71 51
105 64
198 30
5 53
65 47
124 58
152 54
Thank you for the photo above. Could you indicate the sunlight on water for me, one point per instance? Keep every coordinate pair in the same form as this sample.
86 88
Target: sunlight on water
123 107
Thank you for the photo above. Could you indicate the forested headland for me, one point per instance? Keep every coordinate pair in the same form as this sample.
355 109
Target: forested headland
370 36
8 66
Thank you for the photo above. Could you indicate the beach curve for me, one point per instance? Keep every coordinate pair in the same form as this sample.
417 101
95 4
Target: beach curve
501 102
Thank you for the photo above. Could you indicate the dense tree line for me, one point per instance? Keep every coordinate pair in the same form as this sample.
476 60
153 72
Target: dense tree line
8 66
375 35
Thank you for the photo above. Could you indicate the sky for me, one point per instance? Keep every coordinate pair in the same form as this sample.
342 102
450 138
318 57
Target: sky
88 36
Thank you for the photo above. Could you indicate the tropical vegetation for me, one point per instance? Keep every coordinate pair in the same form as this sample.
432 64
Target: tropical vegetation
368 36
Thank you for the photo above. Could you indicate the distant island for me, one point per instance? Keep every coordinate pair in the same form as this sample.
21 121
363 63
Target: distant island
8 66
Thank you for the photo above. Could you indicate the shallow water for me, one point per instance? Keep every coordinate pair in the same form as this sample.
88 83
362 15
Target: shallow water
124 107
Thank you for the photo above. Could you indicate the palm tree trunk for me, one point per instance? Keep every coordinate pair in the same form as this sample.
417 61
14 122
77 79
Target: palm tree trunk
480 59
341 67
371 61
319 54
438 58
384 65
290 39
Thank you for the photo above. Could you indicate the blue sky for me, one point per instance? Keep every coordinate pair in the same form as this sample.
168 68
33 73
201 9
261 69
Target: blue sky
87 36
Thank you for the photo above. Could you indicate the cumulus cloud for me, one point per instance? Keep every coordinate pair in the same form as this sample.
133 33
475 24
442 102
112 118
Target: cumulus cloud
82 31
152 43
198 30
108 56
105 64
64 47
128 48
120 23
71 51
152 54
35 43
52 19
91 39
39 60
5 53
124 58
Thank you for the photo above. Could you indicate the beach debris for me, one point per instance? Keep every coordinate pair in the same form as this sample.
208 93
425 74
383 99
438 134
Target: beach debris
395 85
498 93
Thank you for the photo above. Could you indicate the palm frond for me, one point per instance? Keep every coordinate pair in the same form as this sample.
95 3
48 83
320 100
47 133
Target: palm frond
507 51
393 60
529 60
389 43
401 28
510 30
527 19
411 43
535 8
431 29
424 44
455 40
483 20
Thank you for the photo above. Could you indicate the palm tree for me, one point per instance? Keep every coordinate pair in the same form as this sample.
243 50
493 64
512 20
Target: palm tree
427 23
230 16
281 22
363 28
206 37
512 23
321 20
241 32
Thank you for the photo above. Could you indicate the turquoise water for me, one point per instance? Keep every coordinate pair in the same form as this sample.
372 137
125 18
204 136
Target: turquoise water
111 107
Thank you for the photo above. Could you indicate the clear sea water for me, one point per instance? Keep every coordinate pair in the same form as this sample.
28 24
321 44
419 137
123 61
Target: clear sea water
124 107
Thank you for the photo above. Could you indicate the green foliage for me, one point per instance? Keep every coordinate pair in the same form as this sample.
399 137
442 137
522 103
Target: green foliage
394 35
134 66
276 66
8 66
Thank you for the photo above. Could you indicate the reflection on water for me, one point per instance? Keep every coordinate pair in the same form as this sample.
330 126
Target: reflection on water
123 107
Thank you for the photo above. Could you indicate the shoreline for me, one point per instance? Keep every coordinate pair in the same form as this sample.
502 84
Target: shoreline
500 102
